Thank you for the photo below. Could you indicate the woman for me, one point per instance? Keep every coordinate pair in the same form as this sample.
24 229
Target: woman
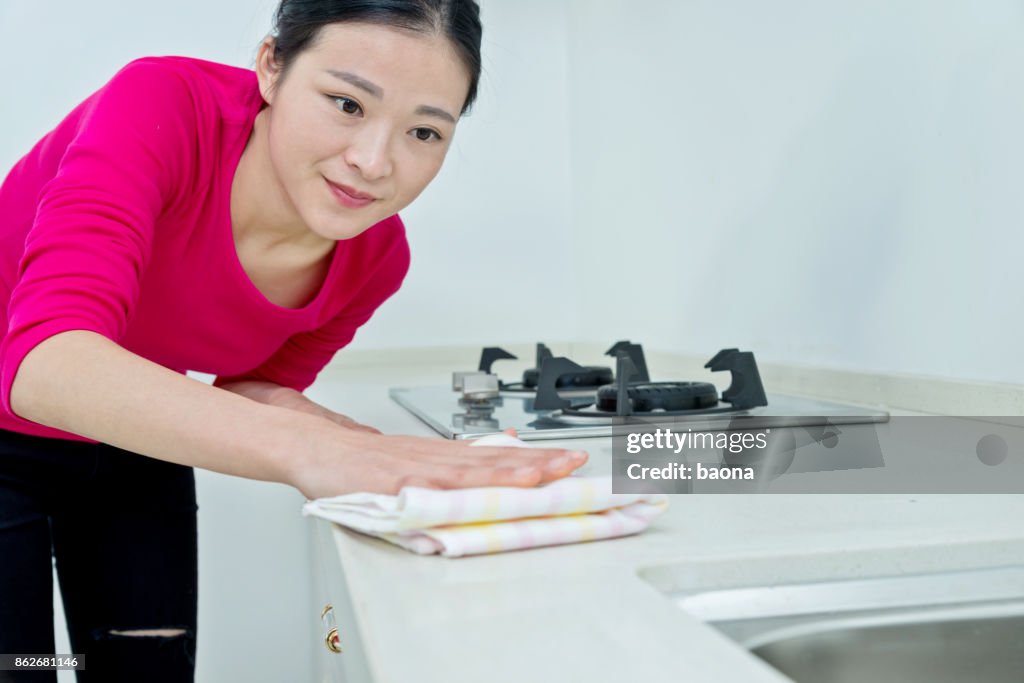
195 216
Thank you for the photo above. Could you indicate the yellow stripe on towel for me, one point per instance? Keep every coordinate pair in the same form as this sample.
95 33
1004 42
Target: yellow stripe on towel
588 528
492 505
587 495
493 534
495 539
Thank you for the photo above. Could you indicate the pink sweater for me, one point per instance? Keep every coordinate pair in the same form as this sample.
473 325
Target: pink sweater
118 222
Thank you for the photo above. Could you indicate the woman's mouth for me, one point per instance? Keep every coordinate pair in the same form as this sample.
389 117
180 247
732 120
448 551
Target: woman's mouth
349 196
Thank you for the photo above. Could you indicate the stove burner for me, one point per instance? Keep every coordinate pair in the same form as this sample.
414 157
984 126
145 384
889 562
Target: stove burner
629 391
592 377
668 396
641 396
595 376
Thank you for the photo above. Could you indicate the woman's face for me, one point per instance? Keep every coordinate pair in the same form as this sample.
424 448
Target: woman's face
360 123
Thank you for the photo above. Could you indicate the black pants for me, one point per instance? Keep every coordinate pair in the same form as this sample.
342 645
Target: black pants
122 528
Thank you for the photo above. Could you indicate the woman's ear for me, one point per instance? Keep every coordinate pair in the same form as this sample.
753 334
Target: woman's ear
267 69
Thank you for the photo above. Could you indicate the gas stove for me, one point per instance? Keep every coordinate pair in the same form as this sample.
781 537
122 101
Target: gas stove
559 399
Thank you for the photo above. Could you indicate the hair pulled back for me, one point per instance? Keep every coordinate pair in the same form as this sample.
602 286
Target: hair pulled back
297 24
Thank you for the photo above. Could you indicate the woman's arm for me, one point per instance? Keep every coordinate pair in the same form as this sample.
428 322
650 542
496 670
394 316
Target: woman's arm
82 382
286 397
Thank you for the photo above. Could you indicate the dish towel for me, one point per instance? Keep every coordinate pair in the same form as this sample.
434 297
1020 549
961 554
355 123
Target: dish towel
458 522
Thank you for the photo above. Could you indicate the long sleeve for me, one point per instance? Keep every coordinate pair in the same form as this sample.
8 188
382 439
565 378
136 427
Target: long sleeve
129 155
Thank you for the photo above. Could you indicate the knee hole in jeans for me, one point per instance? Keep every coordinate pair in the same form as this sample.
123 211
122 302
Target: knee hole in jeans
164 632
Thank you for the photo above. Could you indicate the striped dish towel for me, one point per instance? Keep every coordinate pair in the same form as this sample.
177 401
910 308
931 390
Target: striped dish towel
460 522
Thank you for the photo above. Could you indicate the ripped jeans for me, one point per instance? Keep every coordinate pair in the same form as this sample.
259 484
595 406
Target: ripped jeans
122 529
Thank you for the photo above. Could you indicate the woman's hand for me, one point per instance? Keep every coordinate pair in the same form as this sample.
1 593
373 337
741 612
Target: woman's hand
358 457
349 460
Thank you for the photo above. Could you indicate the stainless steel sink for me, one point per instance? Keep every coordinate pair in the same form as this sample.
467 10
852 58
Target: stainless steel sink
956 626
988 649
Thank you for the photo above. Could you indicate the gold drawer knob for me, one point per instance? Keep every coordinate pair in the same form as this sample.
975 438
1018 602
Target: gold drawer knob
332 640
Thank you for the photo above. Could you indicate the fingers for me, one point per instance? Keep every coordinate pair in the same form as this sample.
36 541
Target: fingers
560 464
501 466
419 482
468 476
364 460
553 462
389 472
563 465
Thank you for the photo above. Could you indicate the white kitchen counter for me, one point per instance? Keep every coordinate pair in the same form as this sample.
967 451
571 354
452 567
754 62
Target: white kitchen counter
599 611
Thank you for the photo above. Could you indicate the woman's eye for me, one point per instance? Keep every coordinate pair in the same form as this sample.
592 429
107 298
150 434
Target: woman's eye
426 134
347 105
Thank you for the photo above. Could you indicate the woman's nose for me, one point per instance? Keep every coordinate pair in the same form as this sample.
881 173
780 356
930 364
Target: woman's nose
370 152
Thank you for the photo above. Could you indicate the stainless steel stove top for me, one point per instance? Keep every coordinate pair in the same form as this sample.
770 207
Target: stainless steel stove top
559 399
440 408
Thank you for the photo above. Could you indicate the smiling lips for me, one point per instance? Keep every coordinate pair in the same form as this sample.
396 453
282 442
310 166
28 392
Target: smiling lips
350 197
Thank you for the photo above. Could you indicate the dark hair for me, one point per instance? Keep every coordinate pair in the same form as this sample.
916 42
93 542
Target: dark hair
297 24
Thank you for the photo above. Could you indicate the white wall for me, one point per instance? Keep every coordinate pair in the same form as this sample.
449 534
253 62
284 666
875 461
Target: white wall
60 52
830 183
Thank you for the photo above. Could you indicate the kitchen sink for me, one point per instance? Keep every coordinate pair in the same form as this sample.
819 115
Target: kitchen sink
941 627
981 649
